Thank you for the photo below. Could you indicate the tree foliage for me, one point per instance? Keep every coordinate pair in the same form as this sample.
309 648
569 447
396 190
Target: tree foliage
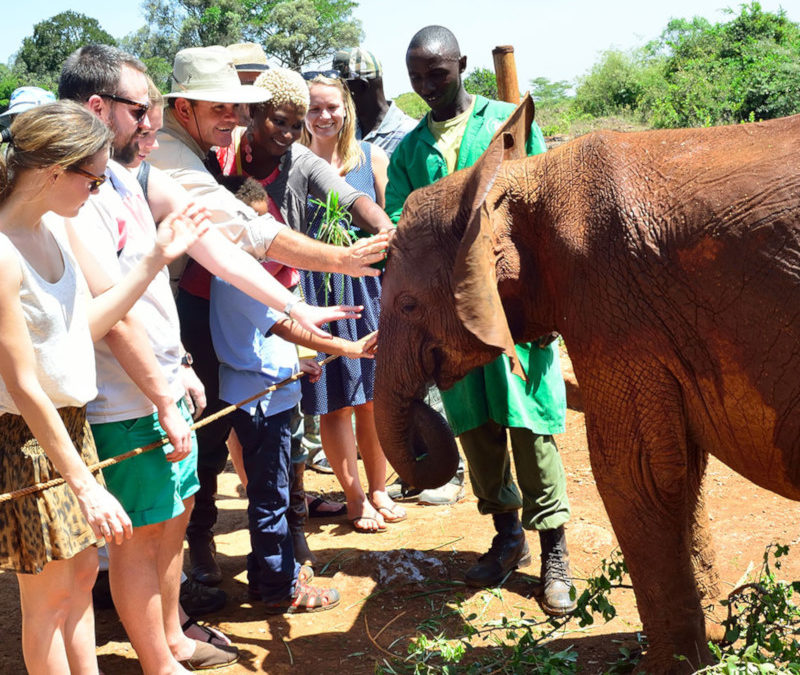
293 32
481 81
8 83
698 73
300 32
41 56
745 69
545 91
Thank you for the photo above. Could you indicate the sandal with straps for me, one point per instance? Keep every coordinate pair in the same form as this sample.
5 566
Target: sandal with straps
305 599
210 635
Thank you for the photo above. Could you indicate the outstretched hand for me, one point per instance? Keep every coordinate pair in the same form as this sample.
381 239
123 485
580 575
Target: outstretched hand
180 230
311 317
365 348
364 253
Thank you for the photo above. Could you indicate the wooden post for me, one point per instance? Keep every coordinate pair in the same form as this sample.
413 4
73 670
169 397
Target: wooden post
505 69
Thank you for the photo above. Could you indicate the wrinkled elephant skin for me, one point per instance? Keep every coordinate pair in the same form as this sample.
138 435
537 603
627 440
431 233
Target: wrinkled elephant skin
670 263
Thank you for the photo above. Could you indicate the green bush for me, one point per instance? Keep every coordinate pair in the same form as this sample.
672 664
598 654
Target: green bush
412 105
699 74
481 81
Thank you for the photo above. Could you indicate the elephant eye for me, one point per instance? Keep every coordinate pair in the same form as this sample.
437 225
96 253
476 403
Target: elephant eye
407 304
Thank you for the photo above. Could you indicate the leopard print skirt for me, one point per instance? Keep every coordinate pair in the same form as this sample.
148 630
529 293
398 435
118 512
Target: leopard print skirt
47 525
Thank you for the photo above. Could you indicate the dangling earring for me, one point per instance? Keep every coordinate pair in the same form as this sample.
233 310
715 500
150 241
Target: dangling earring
248 150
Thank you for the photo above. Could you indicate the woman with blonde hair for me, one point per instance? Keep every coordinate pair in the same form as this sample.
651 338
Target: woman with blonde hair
55 158
346 387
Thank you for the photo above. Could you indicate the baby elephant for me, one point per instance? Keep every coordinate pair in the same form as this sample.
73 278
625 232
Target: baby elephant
670 263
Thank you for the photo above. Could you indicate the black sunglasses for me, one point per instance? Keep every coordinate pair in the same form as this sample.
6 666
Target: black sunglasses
94 181
311 74
141 108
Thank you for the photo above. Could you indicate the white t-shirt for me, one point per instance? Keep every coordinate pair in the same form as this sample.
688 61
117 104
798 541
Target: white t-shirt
118 219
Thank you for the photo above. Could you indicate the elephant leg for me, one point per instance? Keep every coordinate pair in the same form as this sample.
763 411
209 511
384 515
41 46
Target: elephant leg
705 572
649 477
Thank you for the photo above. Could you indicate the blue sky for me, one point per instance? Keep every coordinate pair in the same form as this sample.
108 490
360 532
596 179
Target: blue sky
557 40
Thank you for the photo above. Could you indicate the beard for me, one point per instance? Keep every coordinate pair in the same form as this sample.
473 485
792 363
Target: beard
124 150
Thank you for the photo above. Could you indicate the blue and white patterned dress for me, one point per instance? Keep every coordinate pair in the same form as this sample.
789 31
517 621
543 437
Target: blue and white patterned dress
344 382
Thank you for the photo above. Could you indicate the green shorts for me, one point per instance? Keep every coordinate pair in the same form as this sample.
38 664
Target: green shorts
150 489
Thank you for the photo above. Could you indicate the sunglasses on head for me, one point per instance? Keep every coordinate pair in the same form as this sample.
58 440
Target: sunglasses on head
141 108
94 181
311 74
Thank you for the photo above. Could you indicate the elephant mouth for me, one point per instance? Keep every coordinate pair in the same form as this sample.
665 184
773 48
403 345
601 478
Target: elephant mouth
435 371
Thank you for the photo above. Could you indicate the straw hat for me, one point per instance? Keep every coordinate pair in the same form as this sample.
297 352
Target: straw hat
248 57
208 74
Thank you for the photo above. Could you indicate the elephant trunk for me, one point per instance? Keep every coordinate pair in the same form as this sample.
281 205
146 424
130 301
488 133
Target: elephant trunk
417 441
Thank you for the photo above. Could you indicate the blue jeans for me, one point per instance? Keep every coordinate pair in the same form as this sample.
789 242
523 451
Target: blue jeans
266 451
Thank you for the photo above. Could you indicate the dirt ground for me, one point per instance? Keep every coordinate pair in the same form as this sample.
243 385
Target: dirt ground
378 615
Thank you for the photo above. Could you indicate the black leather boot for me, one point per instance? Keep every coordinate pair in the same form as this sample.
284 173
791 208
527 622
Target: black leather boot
202 558
297 517
508 551
555 574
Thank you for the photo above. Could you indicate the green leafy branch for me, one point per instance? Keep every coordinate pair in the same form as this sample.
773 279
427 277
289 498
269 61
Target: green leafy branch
334 229
511 644
762 631
763 624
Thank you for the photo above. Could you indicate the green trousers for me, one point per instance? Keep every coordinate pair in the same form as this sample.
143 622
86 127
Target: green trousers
542 482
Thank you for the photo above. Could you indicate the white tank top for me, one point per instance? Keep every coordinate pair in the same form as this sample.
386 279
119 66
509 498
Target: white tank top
58 324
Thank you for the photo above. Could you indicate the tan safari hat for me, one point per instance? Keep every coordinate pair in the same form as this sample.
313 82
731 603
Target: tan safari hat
248 57
208 74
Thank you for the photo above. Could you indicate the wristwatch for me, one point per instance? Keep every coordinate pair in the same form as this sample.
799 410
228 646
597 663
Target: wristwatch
290 306
187 360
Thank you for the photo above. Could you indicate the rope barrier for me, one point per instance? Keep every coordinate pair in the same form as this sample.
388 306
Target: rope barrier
40 487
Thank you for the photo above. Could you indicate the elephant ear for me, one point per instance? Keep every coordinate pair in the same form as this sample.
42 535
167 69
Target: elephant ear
475 272
518 126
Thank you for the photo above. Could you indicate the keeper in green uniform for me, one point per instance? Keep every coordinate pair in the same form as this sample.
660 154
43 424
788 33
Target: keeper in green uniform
490 404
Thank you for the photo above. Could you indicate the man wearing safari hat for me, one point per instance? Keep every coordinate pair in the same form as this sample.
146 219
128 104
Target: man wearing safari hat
379 121
206 93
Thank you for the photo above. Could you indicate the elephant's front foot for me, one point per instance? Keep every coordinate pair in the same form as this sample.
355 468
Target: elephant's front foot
714 616
660 666
687 652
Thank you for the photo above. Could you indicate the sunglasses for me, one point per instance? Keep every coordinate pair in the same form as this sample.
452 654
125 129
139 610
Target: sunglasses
311 74
94 181
141 108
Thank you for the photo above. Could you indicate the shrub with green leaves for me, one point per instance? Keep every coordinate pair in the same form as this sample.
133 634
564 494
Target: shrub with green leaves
334 229
762 629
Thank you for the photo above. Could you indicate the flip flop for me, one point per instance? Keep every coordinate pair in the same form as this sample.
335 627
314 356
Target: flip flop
390 513
364 530
314 510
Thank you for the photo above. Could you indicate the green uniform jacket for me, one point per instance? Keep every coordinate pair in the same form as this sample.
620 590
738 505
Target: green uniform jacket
490 392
